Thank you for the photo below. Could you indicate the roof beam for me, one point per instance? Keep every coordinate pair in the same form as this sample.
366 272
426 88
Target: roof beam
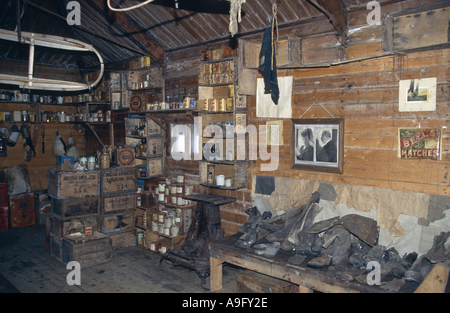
335 11
130 28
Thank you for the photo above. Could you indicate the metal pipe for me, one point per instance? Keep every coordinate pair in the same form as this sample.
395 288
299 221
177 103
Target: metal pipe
31 64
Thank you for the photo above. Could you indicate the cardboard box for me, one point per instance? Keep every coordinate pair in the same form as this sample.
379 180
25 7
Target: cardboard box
22 210
65 163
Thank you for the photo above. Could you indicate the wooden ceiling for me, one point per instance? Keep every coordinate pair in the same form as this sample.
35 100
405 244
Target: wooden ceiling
157 28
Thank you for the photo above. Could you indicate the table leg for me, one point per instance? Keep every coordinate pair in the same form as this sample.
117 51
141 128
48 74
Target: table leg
216 274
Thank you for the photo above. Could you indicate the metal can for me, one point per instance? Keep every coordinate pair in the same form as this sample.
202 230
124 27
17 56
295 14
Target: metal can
223 105
180 178
210 174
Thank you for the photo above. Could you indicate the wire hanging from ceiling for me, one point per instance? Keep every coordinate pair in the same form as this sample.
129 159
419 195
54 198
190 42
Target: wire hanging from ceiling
129 8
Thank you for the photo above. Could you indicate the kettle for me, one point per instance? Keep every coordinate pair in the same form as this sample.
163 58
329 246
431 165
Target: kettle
13 135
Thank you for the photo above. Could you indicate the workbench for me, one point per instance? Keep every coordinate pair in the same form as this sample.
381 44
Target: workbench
308 279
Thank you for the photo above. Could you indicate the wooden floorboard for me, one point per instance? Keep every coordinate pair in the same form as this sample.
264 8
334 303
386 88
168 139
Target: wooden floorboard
28 267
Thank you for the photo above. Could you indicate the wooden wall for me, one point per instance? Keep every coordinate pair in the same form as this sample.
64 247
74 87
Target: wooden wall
364 93
40 164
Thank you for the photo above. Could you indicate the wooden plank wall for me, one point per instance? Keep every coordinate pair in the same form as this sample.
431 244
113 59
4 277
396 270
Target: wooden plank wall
364 93
40 164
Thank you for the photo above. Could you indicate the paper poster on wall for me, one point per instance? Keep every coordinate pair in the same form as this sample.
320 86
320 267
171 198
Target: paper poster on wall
265 107
420 143
417 95
274 133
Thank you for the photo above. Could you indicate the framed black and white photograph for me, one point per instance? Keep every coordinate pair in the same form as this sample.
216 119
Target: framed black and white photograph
317 145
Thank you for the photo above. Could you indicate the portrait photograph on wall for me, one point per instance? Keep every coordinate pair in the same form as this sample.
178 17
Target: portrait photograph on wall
317 145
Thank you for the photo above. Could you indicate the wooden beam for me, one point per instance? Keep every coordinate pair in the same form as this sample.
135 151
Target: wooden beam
132 30
335 12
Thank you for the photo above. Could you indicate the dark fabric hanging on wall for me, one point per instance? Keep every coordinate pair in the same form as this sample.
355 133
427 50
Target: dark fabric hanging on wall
268 71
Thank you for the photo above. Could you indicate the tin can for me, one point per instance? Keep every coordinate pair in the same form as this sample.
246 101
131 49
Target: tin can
168 181
155 246
223 105
210 174
174 199
140 237
180 189
161 228
161 216
161 196
175 231
173 189
155 226
24 114
168 221
162 187
180 179
215 105
180 201
155 216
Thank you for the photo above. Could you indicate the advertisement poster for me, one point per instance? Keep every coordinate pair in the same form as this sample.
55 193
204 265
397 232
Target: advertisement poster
420 143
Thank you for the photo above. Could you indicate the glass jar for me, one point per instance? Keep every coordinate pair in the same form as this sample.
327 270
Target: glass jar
105 159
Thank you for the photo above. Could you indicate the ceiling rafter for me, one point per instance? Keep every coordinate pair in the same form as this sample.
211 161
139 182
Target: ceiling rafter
130 28
336 13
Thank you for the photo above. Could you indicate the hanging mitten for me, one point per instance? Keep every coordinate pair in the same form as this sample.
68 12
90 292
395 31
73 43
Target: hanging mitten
72 149
59 147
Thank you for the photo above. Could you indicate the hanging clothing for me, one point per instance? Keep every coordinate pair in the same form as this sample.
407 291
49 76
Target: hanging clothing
269 69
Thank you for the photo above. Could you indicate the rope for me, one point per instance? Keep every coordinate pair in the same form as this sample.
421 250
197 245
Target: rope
274 21
235 9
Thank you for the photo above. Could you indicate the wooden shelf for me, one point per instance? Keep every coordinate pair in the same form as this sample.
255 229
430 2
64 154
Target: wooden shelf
222 187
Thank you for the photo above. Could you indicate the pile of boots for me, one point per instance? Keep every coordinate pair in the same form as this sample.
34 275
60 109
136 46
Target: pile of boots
439 253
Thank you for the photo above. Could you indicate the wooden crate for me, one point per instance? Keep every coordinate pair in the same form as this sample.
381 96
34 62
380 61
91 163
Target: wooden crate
125 157
155 147
252 282
56 247
238 171
148 199
88 251
75 207
175 242
58 227
21 210
123 239
117 179
117 222
214 92
65 184
117 202
155 167
287 51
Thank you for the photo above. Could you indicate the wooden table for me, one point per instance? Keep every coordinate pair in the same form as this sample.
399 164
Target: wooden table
307 278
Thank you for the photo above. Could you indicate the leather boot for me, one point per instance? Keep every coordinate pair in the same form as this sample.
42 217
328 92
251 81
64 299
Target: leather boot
399 269
419 270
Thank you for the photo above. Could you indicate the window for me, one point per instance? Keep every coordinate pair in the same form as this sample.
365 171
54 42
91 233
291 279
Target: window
184 140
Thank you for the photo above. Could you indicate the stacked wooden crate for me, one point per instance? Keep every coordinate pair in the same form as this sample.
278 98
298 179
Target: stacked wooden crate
75 210
118 189
92 214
